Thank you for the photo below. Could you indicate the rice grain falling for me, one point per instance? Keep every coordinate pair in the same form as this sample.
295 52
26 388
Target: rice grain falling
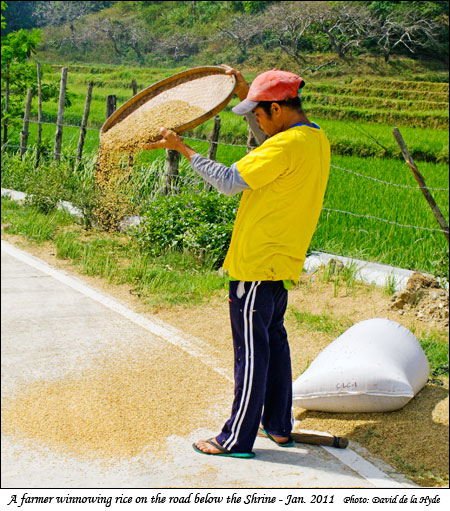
128 137
121 407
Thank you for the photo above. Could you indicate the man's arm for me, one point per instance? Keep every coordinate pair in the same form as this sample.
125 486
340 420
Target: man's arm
241 92
260 136
227 180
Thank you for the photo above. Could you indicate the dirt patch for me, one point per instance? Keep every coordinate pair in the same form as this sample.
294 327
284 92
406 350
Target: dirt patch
425 298
413 439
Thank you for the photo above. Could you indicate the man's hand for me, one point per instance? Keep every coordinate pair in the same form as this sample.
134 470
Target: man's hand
241 90
170 140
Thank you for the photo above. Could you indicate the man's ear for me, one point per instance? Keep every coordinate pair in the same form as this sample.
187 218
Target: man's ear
275 108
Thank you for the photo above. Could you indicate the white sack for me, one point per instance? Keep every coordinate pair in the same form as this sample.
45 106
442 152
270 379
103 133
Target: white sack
375 366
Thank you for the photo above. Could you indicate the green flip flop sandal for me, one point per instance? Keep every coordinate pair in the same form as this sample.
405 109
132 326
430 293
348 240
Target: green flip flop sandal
224 452
288 443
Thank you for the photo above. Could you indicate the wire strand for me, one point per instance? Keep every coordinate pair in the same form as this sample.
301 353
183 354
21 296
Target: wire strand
383 220
177 176
390 184
387 183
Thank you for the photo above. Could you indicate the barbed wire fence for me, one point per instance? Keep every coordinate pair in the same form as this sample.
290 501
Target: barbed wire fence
245 146
171 174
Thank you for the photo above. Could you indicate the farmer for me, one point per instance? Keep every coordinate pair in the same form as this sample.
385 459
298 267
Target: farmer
283 183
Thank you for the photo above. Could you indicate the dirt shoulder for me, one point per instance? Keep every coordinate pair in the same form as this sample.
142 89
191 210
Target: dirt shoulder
413 440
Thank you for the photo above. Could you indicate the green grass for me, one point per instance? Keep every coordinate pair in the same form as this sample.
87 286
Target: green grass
389 83
319 322
436 350
365 90
172 278
29 222
337 233
338 100
421 119
352 116
365 148
366 109
371 239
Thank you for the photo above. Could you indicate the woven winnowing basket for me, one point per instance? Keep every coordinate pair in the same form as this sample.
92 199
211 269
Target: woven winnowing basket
206 87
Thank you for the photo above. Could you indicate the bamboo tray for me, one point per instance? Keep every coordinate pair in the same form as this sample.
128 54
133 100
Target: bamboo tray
207 87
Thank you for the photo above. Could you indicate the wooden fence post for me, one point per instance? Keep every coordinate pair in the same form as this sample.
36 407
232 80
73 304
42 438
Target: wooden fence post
87 106
26 120
134 86
39 119
172 159
111 102
213 137
251 140
60 118
420 179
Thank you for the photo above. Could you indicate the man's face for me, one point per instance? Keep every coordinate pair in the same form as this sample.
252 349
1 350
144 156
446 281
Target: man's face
270 125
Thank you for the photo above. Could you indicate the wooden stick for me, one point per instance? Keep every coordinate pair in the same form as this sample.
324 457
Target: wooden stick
60 118
421 181
306 436
251 140
111 102
5 111
87 106
172 159
213 138
134 86
26 121
39 119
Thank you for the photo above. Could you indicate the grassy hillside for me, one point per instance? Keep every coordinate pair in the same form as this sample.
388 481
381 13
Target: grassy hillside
251 33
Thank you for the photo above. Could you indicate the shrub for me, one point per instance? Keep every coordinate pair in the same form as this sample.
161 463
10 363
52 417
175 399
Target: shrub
46 185
197 221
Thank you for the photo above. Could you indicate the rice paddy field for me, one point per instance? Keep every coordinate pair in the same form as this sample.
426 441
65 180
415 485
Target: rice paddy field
373 209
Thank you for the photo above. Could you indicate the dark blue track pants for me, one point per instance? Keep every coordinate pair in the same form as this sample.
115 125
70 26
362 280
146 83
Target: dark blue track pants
262 364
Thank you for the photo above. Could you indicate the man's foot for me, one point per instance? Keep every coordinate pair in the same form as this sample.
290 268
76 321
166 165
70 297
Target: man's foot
212 447
208 447
282 441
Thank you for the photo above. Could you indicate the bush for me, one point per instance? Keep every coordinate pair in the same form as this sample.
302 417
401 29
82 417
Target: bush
197 221
46 185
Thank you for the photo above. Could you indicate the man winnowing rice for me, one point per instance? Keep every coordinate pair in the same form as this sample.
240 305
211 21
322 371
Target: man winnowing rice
283 183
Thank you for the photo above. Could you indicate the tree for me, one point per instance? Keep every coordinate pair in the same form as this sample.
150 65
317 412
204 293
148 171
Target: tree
411 35
177 47
123 35
344 23
19 15
17 74
287 24
243 31
59 13
414 30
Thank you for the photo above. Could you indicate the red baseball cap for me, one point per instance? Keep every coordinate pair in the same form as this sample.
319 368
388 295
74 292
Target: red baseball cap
271 85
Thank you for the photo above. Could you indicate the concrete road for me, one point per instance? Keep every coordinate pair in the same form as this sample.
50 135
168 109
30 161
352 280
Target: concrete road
53 323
